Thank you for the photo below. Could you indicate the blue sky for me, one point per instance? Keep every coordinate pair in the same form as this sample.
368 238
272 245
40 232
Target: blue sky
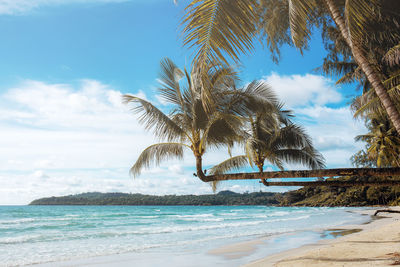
64 65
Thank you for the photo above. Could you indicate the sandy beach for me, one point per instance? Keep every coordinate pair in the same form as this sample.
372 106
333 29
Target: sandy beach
377 244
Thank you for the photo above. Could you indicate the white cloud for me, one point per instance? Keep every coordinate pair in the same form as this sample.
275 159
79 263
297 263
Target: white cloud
332 128
176 169
62 139
11 7
303 90
333 131
59 126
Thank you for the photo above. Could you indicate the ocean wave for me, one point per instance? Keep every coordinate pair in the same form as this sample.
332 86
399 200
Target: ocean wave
148 216
290 219
229 214
193 215
17 221
105 233
280 213
19 239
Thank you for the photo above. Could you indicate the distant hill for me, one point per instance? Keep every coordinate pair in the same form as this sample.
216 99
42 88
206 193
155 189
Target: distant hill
222 198
306 196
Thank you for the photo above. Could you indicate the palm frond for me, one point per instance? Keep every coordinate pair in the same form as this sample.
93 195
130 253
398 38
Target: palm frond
261 90
154 119
199 115
274 160
370 103
249 148
169 78
306 157
364 137
222 77
354 76
293 136
358 14
392 57
348 70
233 163
393 80
300 12
274 23
214 185
154 154
223 130
255 97
219 28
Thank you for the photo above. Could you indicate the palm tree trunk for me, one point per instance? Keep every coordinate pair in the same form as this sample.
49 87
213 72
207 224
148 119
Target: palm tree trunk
260 167
333 183
199 169
360 172
369 70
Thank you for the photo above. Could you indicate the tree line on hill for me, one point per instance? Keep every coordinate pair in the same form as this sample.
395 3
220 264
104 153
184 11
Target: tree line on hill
306 196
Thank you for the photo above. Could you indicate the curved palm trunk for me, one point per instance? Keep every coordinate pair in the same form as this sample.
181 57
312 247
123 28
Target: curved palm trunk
199 169
370 72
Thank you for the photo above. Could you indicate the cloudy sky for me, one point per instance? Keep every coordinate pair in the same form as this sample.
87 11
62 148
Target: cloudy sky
64 65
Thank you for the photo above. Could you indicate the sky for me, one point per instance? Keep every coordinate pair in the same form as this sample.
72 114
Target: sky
64 65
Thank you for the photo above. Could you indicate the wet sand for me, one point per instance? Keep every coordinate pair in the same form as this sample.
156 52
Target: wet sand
377 244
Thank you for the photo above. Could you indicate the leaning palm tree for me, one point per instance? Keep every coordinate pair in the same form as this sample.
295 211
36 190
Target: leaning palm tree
275 139
221 29
190 125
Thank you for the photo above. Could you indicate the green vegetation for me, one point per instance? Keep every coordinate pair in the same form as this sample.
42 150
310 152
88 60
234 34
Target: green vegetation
307 196
222 198
382 142
343 196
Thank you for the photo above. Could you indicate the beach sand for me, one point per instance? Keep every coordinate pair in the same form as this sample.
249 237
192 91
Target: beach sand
378 244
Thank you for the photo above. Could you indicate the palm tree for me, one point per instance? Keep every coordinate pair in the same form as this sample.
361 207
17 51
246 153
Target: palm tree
339 62
224 28
190 125
275 139
383 142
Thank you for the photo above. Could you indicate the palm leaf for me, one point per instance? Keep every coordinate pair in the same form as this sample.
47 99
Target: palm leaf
300 12
169 78
358 14
293 136
306 157
154 154
222 130
219 28
274 23
249 148
153 118
369 102
255 97
233 163
392 57
199 115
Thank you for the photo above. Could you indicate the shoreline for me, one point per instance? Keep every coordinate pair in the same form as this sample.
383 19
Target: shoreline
377 244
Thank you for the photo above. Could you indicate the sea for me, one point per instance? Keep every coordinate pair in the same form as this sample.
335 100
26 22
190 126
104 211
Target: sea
159 235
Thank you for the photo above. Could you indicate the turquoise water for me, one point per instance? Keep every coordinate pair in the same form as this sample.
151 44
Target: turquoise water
39 234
